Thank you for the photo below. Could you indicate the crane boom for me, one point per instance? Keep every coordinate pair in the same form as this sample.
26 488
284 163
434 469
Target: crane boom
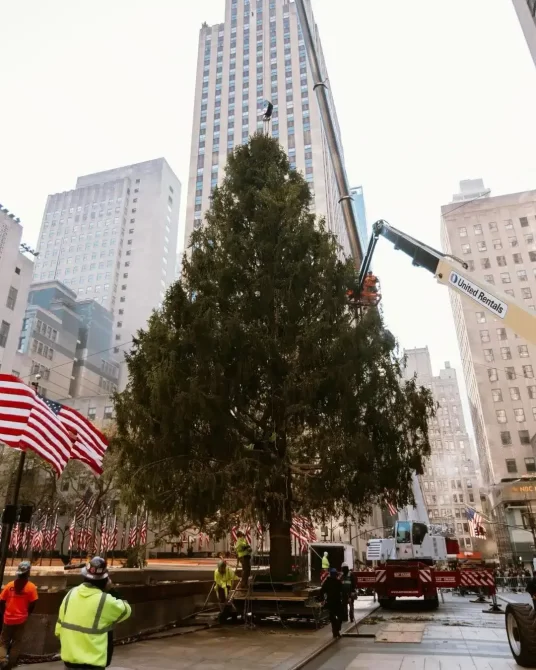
445 269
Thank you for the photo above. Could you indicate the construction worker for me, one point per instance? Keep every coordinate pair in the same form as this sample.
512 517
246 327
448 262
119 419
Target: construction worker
223 580
332 592
243 552
349 587
369 294
325 566
17 602
87 614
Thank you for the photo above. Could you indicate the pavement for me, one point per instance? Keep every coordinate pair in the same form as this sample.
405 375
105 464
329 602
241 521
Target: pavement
458 636
276 647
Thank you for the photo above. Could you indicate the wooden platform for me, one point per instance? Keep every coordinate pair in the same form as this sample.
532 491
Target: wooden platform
283 599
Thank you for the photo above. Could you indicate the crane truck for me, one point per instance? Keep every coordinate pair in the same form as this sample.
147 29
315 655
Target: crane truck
405 562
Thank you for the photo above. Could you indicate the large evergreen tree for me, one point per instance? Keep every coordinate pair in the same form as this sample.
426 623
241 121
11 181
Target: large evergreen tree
253 390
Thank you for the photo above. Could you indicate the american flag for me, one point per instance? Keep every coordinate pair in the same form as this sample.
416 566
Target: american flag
88 444
392 509
234 536
133 533
72 534
26 422
476 523
86 506
247 534
143 530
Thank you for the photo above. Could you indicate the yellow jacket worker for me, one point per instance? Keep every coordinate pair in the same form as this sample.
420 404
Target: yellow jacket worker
87 615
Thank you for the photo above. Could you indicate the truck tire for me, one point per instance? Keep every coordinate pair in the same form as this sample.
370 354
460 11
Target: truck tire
521 632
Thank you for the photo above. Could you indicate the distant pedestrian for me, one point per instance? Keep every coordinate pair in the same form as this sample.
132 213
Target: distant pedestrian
349 587
334 599
17 602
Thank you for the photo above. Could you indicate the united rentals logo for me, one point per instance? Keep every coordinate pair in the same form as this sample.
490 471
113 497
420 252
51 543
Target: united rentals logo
484 298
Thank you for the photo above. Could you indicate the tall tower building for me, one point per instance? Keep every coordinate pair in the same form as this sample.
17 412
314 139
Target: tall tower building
496 237
113 239
258 55
449 482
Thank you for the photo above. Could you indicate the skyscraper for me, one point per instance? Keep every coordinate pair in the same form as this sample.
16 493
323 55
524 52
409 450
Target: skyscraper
114 239
257 55
496 237
449 481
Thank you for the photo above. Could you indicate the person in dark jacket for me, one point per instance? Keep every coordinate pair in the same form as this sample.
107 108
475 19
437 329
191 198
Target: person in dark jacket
332 592
349 588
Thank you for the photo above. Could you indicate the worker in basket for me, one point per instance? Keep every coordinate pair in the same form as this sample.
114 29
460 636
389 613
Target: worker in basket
223 581
369 294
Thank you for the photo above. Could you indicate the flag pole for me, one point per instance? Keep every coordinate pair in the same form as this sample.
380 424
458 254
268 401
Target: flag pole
6 537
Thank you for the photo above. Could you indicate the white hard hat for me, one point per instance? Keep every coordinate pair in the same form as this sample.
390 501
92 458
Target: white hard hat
325 553
344 565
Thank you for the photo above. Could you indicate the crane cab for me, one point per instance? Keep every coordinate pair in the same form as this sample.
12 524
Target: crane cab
412 541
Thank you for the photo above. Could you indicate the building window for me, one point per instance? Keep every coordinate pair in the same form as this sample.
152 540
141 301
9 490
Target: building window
518 259
477 229
514 393
506 438
501 416
528 372
506 354
109 412
519 415
466 249
505 278
4 333
497 244
484 336
481 246
511 465
510 373
11 298
530 464
484 262
488 355
524 436
92 413
496 394
501 261
492 374
523 351
532 392
480 317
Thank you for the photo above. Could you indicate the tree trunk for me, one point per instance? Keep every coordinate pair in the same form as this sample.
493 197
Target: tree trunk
280 547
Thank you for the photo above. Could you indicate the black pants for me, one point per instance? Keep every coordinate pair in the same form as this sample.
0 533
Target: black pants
246 570
348 607
336 614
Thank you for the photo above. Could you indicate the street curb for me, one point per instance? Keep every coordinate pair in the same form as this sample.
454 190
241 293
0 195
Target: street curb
314 654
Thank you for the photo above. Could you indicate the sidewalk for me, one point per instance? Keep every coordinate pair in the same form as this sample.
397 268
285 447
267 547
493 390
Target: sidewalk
226 648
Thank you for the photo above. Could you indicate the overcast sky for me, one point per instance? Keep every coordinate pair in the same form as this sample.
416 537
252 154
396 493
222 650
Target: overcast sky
428 92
